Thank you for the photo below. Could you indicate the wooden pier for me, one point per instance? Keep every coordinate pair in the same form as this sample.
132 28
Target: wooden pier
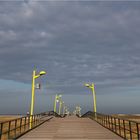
70 128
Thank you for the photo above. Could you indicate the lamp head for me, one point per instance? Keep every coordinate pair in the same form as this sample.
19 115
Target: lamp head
42 73
87 85
60 96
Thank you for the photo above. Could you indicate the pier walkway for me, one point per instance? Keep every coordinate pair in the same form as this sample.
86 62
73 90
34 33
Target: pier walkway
70 128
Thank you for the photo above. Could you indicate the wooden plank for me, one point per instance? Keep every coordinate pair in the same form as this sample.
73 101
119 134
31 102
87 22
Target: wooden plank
71 128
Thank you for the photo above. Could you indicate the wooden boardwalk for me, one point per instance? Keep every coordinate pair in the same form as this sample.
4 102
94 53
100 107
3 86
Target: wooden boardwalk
70 128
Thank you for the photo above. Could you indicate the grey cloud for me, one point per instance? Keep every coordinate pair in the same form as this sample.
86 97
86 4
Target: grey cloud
76 42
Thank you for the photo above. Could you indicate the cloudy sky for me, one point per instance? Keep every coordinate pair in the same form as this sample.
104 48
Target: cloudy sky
75 42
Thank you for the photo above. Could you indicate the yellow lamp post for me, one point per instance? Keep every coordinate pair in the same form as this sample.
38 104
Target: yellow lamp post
60 106
34 76
91 86
57 97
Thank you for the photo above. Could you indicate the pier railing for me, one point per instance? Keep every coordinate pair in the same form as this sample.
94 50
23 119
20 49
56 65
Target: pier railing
127 129
14 128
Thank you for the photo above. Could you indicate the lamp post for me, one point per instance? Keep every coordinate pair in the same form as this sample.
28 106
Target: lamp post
34 76
64 107
57 97
91 86
60 106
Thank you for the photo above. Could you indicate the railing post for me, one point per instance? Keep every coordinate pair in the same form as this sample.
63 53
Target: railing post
15 127
20 124
130 130
119 127
24 123
107 121
29 117
111 123
9 128
35 119
138 135
103 120
115 125
124 129
31 121
1 128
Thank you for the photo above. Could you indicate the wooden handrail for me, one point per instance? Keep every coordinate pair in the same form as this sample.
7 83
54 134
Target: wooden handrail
126 129
15 127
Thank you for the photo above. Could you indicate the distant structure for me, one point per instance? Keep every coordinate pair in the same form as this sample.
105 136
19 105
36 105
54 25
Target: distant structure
77 111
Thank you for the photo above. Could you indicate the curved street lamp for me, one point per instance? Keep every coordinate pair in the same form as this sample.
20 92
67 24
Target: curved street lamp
91 86
34 76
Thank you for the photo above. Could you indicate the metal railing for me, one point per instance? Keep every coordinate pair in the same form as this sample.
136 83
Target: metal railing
14 128
127 129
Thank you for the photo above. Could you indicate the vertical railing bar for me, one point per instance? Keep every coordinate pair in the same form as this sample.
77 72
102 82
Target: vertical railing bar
37 118
97 118
20 124
111 123
124 129
29 117
1 130
107 122
101 119
34 120
9 128
137 125
104 120
130 130
119 127
25 124
115 125
15 126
